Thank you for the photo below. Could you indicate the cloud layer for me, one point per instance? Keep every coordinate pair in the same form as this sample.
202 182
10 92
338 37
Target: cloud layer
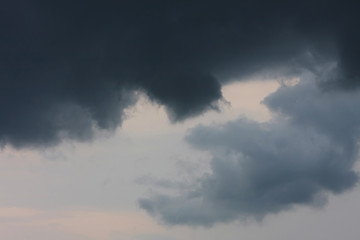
68 68
304 153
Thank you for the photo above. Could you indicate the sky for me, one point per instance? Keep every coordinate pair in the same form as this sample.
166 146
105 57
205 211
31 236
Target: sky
169 120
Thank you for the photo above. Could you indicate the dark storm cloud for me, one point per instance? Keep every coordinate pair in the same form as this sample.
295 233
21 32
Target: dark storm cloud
80 58
257 169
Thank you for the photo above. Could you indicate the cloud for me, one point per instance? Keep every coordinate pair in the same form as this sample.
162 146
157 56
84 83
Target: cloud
65 58
297 158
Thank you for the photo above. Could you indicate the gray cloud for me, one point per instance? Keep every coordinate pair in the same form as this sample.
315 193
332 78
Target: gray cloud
330 112
81 58
297 158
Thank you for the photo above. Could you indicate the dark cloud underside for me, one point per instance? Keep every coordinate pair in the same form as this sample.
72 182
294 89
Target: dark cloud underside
84 59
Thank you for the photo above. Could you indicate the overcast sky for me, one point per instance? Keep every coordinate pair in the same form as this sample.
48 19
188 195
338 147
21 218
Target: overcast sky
164 120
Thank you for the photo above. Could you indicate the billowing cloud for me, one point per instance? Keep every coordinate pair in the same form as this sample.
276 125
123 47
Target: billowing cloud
297 158
67 68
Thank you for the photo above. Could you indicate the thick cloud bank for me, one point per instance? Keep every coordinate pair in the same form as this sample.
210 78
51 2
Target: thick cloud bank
304 153
69 67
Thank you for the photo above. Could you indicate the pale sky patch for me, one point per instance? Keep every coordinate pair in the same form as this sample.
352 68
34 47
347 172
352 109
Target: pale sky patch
88 190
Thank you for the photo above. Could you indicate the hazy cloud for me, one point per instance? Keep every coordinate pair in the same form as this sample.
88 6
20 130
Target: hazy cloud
297 158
